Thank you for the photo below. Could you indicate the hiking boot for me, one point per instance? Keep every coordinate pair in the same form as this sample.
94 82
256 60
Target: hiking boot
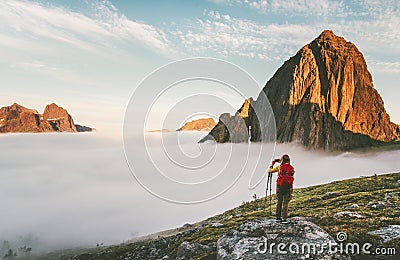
278 220
285 221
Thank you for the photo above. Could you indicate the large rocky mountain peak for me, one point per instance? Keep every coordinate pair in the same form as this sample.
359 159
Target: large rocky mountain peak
324 98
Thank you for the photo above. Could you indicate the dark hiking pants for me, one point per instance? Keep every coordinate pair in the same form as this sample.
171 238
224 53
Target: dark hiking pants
284 196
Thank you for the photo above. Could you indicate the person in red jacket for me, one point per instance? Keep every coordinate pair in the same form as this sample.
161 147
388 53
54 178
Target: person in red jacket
284 186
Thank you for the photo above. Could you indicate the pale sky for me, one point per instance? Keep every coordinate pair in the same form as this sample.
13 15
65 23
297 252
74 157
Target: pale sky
89 56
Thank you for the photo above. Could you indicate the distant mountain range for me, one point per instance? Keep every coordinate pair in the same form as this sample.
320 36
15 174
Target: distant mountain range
202 124
19 119
322 97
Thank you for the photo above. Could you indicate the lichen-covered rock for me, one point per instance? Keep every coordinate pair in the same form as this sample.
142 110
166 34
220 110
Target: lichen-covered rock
353 206
387 233
348 215
188 250
217 225
378 205
391 195
258 239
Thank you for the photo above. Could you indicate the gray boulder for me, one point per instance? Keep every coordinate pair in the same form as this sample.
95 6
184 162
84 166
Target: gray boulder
217 225
371 205
330 195
313 199
259 239
382 205
188 250
387 233
379 205
353 206
347 215
391 195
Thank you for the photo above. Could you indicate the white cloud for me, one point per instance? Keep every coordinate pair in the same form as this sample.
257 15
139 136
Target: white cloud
223 35
382 66
304 8
373 8
369 24
298 7
63 51
28 24
32 22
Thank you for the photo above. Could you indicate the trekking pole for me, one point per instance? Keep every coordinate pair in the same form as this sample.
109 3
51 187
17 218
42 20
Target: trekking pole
266 193
270 192
266 190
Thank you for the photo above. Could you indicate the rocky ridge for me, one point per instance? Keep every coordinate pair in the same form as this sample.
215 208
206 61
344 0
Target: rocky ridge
19 119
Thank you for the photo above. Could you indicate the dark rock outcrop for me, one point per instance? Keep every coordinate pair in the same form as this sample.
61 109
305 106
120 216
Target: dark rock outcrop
19 119
82 128
230 128
323 98
258 239
202 124
220 132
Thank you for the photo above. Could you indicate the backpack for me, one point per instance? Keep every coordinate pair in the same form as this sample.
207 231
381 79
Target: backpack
285 176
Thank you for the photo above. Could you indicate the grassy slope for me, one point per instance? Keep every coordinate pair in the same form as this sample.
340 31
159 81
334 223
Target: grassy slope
359 190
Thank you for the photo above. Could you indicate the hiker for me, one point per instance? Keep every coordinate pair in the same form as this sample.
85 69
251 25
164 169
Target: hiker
284 186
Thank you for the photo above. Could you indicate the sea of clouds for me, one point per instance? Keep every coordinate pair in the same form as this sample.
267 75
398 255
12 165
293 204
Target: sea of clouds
67 190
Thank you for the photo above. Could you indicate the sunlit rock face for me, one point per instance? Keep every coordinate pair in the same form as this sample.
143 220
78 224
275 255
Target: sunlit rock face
323 98
19 119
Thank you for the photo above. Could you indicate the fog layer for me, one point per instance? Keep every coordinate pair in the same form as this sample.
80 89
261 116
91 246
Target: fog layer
65 190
